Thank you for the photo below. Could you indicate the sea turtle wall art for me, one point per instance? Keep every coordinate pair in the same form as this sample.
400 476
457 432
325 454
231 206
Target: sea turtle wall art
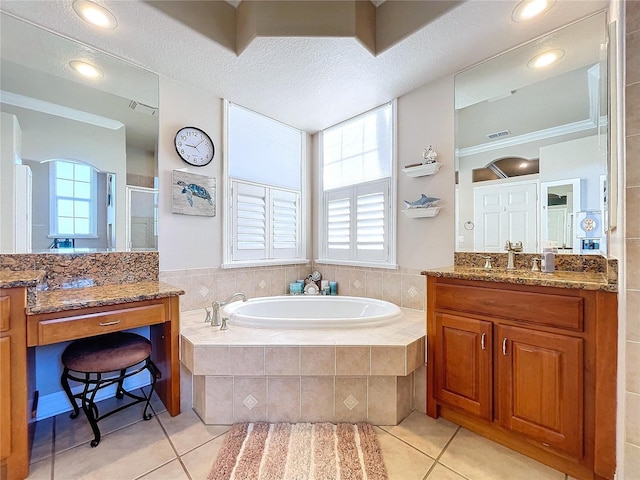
193 194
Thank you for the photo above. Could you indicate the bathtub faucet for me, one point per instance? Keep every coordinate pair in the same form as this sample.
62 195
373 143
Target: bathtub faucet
216 321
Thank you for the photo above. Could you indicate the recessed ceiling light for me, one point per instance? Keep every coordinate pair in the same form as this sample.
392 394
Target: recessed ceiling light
528 9
86 69
545 59
95 14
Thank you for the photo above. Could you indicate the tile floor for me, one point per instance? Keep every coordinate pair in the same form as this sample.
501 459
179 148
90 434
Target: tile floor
183 448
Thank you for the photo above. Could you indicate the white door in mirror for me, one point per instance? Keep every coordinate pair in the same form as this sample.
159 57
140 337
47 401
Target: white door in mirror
194 146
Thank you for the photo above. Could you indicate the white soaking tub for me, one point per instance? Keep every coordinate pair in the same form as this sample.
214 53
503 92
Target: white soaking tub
318 311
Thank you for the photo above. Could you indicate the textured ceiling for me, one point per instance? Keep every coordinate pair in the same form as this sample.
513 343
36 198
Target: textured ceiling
310 83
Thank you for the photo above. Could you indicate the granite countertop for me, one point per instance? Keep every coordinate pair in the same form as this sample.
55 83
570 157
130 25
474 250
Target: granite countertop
51 301
560 279
22 278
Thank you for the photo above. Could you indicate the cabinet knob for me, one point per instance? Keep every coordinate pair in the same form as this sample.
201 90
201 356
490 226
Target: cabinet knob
504 346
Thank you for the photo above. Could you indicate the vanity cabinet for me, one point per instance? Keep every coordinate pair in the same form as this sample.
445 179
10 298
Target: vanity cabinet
530 367
14 448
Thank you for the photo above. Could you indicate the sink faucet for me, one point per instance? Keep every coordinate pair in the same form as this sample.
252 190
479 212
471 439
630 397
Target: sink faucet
511 249
216 321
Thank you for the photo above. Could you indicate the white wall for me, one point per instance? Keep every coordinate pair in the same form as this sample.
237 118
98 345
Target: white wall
425 117
10 139
186 241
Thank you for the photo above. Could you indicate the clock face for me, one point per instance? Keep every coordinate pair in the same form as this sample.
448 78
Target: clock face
194 146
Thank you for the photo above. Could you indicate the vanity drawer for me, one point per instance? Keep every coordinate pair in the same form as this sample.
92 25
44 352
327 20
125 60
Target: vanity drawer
561 311
80 326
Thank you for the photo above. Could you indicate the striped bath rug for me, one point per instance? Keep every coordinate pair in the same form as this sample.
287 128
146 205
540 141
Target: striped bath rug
300 451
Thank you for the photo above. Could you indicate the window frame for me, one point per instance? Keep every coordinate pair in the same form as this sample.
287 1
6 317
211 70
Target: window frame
53 204
323 256
228 240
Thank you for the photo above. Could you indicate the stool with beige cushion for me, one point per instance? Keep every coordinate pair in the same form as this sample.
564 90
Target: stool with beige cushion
101 361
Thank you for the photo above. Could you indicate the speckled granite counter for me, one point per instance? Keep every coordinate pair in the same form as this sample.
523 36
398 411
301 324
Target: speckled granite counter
74 298
560 279
22 278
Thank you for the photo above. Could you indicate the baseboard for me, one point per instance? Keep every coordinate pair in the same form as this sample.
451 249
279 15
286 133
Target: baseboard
56 403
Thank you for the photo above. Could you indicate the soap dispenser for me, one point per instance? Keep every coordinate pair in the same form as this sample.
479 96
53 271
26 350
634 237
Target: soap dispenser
548 262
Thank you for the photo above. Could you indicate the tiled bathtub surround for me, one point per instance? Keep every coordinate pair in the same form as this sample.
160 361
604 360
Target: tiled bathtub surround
404 287
244 374
74 270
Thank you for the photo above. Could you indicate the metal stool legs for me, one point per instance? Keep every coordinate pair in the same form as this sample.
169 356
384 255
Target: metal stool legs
93 382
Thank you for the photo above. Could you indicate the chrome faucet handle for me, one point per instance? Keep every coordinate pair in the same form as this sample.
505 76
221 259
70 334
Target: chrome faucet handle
487 262
208 317
535 267
224 324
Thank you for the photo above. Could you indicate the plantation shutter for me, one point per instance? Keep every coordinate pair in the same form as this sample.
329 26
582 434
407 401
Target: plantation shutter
338 224
357 222
285 214
267 222
249 228
371 221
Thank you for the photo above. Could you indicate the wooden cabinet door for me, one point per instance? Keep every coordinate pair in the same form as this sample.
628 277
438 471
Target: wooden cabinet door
540 393
5 398
463 376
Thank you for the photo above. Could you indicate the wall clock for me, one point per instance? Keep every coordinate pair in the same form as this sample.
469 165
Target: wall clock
194 146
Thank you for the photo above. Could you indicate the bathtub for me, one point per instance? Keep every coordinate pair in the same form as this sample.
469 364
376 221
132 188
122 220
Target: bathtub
316 312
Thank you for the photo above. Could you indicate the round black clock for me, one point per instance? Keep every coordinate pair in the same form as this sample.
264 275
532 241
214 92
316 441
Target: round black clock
194 146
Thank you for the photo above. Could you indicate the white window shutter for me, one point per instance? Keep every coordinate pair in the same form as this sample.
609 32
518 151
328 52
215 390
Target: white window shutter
249 229
285 223
371 223
338 219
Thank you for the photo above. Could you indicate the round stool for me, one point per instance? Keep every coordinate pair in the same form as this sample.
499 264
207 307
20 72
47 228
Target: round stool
102 361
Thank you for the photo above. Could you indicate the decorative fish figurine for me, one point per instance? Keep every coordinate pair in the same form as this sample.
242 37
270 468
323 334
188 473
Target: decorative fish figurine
422 202
191 190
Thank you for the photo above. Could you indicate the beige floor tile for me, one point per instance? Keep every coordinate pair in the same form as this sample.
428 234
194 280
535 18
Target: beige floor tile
424 433
73 432
171 471
186 431
40 470
200 460
42 446
403 462
125 454
441 472
477 458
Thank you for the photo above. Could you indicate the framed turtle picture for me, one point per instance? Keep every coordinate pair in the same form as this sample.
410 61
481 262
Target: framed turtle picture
193 194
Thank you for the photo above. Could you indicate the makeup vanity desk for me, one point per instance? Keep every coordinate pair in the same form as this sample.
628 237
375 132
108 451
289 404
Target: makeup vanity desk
29 319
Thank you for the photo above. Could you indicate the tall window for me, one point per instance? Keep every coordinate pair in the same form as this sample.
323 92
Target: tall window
265 171
73 208
357 218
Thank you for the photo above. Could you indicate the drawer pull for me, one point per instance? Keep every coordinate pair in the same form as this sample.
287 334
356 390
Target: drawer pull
482 341
504 346
107 324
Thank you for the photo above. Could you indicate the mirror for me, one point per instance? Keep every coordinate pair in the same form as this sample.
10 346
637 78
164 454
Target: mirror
531 144
51 113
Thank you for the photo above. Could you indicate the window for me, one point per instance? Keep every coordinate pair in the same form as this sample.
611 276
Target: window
358 165
73 208
265 176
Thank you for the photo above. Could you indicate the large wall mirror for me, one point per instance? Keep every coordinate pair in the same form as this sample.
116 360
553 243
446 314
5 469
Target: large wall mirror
533 123
79 154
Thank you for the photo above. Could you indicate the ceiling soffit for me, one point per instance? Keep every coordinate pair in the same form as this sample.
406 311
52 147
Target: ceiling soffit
375 28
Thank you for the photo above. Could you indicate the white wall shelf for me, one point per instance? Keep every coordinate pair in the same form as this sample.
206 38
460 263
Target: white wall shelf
422 170
421 212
